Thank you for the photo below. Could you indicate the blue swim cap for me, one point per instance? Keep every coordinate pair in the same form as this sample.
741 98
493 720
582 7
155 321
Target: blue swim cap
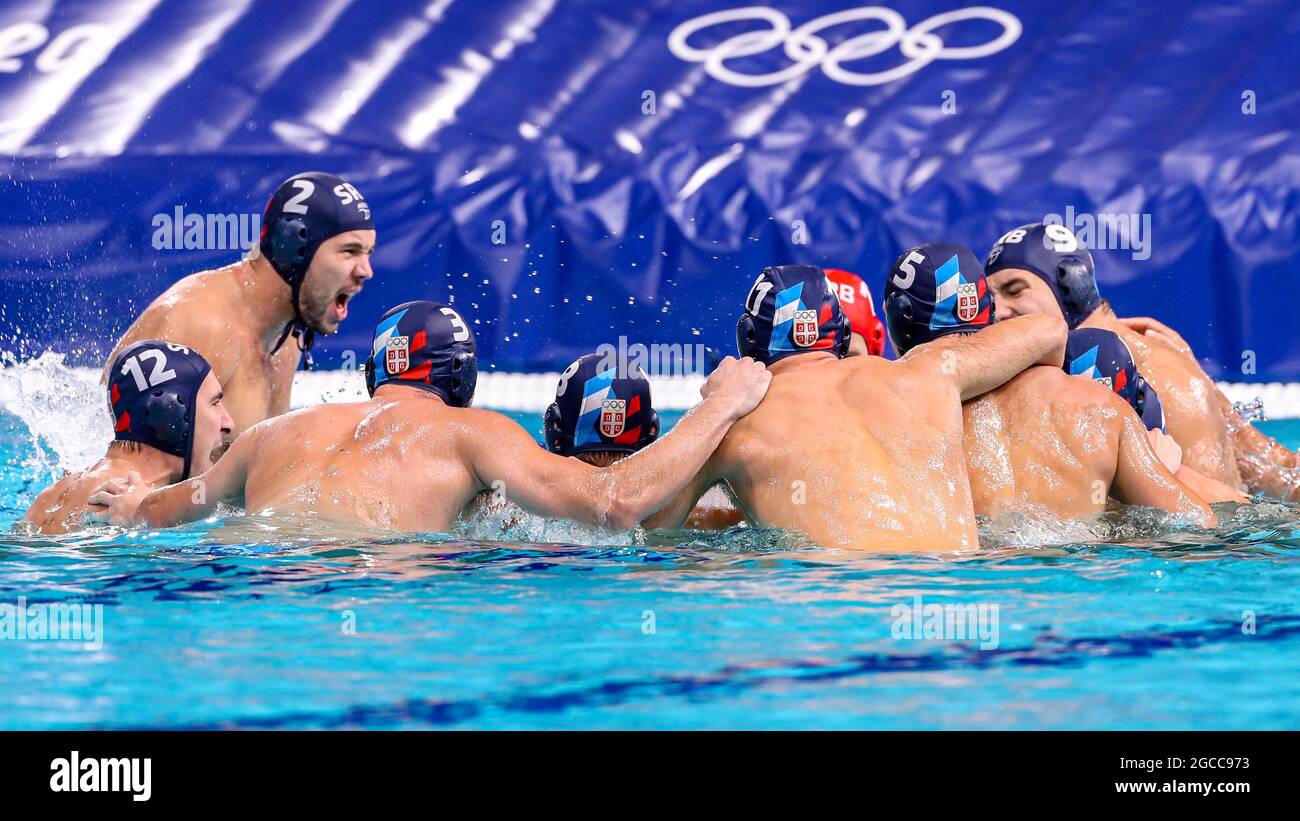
304 211
1053 254
934 290
1101 355
426 345
792 309
153 392
596 410
1148 404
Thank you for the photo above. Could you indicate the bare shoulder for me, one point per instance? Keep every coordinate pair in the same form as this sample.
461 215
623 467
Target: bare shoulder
925 368
479 422
191 312
48 500
1063 389
278 428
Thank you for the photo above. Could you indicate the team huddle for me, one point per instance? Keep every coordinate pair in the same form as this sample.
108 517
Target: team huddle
1016 388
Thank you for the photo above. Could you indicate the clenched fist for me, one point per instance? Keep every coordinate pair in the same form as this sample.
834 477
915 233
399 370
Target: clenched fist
739 383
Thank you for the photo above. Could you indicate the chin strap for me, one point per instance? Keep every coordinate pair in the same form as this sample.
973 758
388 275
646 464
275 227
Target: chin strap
305 338
303 335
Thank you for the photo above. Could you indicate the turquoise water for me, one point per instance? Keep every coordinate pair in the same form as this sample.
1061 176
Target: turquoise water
265 624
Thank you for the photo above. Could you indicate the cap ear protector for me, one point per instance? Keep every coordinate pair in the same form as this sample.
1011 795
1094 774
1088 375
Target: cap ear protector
463 378
595 409
153 396
288 242
552 429
1055 255
1148 405
792 309
902 321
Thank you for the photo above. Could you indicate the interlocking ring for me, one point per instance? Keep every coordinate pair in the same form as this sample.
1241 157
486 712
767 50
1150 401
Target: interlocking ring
802 45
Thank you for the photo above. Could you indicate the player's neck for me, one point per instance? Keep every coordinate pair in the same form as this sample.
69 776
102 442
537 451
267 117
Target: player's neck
390 391
155 467
1101 317
268 299
798 361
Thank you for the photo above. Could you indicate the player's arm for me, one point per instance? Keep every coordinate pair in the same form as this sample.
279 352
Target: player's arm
1141 479
1211 490
505 458
982 361
675 514
1266 466
132 503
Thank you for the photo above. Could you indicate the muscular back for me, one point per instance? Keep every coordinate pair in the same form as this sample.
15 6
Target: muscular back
207 312
1193 413
394 465
1043 440
861 453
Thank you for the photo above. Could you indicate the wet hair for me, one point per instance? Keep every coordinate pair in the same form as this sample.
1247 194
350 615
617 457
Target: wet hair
125 446
601 458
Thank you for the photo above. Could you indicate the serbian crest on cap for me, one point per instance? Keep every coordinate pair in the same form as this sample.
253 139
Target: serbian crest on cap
804 332
968 301
613 417
397 354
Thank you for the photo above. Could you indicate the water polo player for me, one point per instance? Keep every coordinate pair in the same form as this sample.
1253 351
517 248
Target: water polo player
1039 268
256 318
1102 356
600 417
168 418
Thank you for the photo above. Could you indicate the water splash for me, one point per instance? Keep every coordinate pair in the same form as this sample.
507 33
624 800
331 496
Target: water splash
500 520
1038 526
61 406
1247 412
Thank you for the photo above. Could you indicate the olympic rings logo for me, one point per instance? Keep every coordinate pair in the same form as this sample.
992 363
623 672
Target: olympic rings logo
919 44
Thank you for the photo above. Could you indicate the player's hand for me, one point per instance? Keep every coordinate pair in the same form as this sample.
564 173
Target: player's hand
739 383
1155 329
116 501
1167 449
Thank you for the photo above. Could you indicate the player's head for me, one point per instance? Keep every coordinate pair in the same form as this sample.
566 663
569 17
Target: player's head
165 396
424 345
1102 356
855 300
935 290
600 415
317 234
791 310
1039 268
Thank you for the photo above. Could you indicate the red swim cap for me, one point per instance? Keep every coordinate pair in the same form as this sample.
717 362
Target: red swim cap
855 299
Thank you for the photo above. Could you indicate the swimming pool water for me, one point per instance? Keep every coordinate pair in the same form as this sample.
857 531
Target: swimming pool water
256 623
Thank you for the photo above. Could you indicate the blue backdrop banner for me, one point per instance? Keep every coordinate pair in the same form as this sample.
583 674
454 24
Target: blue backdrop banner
568 172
